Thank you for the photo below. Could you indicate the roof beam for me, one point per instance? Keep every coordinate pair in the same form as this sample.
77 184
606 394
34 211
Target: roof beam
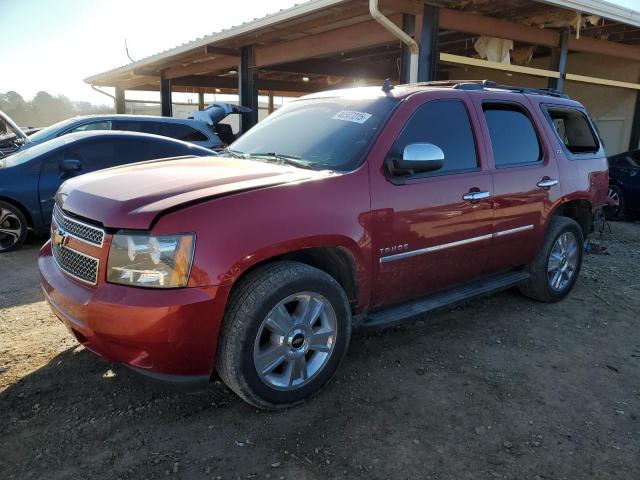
336 68
264 84
213 50
353 37
604 47
213 65
479 25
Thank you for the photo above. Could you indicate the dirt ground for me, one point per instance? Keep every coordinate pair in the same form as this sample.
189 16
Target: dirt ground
501 387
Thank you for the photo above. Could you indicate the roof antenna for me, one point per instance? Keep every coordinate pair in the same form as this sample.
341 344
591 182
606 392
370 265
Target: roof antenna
126 47
386 86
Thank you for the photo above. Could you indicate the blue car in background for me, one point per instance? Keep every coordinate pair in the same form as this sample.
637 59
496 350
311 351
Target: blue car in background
203 128
30 178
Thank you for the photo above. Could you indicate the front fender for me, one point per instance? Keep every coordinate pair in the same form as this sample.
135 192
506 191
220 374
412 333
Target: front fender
237 232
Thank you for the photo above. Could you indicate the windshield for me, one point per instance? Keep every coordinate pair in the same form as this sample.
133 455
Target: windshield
324 133
52 129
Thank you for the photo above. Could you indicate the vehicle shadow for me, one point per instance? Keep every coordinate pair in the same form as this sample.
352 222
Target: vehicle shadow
19 278
88 415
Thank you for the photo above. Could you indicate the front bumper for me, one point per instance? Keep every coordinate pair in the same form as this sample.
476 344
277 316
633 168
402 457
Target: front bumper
167 333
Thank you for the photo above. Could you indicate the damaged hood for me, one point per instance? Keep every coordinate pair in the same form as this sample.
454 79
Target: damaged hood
133 196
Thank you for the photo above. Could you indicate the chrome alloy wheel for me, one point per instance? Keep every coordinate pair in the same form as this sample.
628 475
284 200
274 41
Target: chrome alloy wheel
10 229
295 341
563 261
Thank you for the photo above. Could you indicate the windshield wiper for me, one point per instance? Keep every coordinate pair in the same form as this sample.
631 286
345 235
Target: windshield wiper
232 153
293 160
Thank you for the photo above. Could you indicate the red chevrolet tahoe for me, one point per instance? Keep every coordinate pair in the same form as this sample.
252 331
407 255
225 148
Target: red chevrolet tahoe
359 207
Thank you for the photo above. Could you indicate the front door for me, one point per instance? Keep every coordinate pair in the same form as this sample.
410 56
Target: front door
89 155
430 230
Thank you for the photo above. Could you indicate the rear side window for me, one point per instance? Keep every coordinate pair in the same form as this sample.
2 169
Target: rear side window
185 133
106 125
446 124
513 138
156 128
573 129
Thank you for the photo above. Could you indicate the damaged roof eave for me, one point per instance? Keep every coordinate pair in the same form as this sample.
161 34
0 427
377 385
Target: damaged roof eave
281 16
600 8
110 78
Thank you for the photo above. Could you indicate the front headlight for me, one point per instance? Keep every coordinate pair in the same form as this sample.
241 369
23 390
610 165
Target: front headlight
154 261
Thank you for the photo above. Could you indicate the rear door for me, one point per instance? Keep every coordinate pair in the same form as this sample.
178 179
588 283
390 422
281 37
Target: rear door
525 177
428 233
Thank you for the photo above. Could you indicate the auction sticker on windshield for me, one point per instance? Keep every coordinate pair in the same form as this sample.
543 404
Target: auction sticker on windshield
352 116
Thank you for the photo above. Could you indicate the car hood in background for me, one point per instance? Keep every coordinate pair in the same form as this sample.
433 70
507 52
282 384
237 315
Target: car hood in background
15 128
217 111
133 196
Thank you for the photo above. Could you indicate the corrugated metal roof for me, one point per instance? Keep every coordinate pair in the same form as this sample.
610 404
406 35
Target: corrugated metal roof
297 10
592 7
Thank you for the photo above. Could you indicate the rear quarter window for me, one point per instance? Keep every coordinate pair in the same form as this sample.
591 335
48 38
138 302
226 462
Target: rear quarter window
185 133
573 129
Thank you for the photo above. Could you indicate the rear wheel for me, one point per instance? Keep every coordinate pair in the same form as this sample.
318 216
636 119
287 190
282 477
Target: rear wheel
285 332
616 210
556 266
13 227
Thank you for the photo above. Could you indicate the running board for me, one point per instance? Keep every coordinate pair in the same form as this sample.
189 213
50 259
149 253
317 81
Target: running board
404 311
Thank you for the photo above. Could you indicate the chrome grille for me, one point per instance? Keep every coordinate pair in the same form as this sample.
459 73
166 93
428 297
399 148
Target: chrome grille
80 230
76 264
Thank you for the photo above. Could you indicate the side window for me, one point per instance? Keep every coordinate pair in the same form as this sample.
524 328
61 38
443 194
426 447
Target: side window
446 124
132 150
92 154
573 129
513 138
185 133
139 126
106 125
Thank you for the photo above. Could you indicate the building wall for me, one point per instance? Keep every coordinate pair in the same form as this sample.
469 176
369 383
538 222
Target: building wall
611 107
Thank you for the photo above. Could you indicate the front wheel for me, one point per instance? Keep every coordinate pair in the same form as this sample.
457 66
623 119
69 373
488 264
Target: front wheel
13 227
556 266
285 333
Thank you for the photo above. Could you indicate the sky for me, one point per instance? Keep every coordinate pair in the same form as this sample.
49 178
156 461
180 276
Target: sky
53 45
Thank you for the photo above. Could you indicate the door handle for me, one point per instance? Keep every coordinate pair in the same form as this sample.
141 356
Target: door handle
548 183
475 196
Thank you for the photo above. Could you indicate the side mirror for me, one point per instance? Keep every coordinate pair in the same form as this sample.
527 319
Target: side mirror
70 165
419 158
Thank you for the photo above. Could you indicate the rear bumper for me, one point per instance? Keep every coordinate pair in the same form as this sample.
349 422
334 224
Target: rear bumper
169 334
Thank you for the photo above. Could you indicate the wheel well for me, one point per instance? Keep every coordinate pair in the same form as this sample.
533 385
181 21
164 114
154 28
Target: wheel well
335 261
580 211
20 207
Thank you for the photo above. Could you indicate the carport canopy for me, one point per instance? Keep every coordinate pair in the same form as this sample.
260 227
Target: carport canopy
328 44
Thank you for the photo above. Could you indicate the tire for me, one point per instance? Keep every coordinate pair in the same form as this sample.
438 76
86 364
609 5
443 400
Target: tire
13 227
615 213
543 284
248 341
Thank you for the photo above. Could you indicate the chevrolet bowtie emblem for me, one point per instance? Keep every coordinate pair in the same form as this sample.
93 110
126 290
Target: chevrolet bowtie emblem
59 237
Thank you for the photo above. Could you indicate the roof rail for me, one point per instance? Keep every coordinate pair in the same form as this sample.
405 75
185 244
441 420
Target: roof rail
482 84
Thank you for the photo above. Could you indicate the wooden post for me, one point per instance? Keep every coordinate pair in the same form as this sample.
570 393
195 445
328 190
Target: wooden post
559 62
270 106
634 142
428 62
119 101
247 87
166 107
409 27
200 101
